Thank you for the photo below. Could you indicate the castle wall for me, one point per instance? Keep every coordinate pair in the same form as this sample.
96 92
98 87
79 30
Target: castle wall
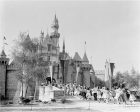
2 79
70 74
12 83
86 78
92 80
80 79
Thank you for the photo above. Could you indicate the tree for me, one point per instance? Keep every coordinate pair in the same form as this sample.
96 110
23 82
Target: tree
99 82
32 65
129 79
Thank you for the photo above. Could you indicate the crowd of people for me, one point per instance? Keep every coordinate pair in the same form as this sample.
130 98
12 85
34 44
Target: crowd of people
101 94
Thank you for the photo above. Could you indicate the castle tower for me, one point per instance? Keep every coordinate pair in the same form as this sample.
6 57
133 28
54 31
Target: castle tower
77 61
85 59
86 67
55 41
55 35
3 74
54 48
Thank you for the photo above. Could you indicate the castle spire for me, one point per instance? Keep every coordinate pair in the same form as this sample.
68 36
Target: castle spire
85 59
85 46
3 55
28 37
55 24
55 35
41 36
4 43
42 32
63 46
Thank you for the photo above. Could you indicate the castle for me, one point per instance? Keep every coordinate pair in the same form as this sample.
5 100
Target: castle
65 68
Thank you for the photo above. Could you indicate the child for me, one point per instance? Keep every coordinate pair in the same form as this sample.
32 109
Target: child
99 95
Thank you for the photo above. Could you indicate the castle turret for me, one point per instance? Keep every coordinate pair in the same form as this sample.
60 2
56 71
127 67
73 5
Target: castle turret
3 74
41 37
55 35
85 59
86 67
55 41
77 58
2 55
55 24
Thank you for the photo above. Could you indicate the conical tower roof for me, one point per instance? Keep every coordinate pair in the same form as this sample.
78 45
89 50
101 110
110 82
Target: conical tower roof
77 57
55 24
28 37
3 54
85 59
55 19
47 36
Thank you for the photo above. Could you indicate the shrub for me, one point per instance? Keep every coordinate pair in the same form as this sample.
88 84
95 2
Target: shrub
63 100
2 97
53 100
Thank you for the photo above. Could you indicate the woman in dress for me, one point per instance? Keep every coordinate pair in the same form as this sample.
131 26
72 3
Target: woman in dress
88 95
99 96
104 95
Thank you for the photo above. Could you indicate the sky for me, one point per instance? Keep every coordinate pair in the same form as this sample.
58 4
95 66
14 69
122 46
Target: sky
111 29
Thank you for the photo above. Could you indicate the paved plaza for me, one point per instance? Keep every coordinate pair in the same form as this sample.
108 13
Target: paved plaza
75 105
